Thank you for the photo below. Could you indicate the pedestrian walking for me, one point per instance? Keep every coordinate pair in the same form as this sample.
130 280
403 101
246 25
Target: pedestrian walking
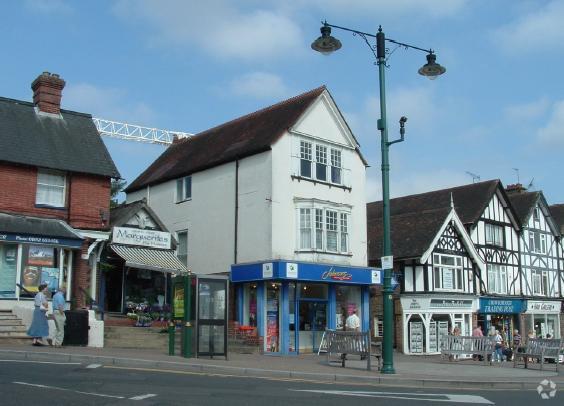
477 332
498 352
59 316
39 327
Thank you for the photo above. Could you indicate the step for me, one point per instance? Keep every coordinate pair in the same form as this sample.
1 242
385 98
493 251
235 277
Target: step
9 316
8 329
10 322
15 340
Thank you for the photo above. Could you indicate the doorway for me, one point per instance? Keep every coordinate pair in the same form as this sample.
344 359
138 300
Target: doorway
312 322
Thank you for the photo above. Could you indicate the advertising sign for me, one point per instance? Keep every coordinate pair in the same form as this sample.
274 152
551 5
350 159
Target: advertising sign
41 255
178 301
534 306
501 306
146 238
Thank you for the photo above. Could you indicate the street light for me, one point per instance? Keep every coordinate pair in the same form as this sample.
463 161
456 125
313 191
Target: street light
326 44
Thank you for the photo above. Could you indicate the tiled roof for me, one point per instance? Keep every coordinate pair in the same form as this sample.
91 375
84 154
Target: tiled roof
416 219
523 203
245 136
20 224
557 211
70 143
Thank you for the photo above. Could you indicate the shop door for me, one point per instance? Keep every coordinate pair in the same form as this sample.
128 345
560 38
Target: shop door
113 283
313 321
212 317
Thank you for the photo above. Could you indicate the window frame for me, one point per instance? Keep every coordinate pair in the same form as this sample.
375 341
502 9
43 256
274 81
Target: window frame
182 192
499 278
40 184
323 220
440 268
321 162
178 251
492 232
306 158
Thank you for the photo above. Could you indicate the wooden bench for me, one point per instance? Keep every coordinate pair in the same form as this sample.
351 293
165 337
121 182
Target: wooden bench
467 345
348 342
539 349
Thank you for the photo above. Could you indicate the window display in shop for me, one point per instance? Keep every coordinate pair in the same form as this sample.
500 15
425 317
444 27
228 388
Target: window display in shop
8 268
40 265
348 301
416 333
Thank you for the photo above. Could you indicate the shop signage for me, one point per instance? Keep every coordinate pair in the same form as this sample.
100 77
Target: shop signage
376 277
543 307
501 306
414 305
146 238
267 270
388 262
451 303
36 239
292 271
335 275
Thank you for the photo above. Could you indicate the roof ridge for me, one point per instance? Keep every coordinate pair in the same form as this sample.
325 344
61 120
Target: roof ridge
30 104
262 110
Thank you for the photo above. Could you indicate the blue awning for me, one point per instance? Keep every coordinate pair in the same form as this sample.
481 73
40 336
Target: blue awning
305 271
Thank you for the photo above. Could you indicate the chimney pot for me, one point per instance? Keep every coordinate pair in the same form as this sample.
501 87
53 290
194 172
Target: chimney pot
47 92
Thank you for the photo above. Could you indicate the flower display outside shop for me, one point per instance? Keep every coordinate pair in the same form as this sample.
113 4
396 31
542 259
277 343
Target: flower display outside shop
145 315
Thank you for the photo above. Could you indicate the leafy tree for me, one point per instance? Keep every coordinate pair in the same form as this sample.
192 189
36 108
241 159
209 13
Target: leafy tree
116 187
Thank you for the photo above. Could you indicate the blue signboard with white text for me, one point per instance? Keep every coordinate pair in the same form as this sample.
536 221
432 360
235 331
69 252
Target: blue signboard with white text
501 306
304 271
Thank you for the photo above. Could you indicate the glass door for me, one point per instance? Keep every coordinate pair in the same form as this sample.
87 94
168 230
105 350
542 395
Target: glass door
212 317
313 321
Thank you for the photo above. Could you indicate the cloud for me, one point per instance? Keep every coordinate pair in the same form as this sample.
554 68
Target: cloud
527 111
47 6
220 28
260 85
107 103
538 30
553 132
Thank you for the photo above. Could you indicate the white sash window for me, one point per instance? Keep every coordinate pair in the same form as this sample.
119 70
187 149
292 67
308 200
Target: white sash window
51 187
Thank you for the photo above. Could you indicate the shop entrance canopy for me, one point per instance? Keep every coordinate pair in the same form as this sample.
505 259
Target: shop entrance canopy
148 258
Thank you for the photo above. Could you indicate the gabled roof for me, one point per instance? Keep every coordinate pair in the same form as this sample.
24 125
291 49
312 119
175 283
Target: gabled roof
68 143
245 136
524 202
557 211
470 201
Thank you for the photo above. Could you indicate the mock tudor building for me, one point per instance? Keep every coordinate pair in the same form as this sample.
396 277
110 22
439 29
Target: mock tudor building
276 199
557 211
492 224
55 175
539 250
439 268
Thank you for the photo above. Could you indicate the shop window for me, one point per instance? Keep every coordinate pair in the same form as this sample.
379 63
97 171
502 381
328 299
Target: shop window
182 248
51 187
8 269
494 234
348 301
292 316
40 264
313 291
250 305
273 303
183 189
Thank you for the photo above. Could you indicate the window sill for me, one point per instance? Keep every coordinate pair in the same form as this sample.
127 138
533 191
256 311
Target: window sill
47 206
183 201
314 181
341 254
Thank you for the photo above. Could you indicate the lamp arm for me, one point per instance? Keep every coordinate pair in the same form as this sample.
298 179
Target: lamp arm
365 34
402 122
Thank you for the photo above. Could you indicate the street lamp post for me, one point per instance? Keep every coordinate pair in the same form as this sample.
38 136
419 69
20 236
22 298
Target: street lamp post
327 44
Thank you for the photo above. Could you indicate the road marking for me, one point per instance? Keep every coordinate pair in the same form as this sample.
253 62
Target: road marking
431 397
141 397
40 362
92 366
68 390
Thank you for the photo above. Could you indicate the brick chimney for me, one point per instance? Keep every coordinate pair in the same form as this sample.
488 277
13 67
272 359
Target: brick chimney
515 188
47 92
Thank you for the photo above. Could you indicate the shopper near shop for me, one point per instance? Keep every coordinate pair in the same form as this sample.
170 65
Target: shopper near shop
59 316
39 327
498 352
353 322
477 332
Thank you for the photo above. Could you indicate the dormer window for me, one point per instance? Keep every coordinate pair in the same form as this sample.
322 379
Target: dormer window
51 187
183 189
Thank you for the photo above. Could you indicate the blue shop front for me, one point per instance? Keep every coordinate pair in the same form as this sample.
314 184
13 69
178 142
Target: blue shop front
291 304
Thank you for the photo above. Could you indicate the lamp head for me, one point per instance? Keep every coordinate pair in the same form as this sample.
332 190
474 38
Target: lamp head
432 69
326 43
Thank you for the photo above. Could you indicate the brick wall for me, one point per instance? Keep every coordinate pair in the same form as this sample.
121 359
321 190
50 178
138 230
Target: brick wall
88 197
81 276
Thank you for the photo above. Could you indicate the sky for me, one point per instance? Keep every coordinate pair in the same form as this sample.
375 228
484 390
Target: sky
497 112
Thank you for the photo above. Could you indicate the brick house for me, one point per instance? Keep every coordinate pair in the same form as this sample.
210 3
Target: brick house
55 177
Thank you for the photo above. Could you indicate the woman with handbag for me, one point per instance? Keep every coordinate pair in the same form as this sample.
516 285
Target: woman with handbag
39 327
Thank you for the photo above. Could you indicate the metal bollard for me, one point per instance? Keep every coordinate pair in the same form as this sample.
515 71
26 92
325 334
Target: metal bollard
171 338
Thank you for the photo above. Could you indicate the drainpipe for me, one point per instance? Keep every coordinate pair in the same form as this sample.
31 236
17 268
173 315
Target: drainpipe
235 243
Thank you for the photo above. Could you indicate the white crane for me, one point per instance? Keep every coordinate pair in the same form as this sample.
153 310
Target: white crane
138 133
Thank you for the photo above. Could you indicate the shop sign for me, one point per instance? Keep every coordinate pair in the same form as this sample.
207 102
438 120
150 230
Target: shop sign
267 270
543 307
35 239
451 303
414 305
178 301
291 270
376 277
387 262
336 275
146 238
501 306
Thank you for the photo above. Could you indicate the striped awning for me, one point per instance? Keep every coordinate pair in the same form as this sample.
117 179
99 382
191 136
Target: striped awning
149 258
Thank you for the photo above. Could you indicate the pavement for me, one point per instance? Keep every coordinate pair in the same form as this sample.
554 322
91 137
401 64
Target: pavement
411 371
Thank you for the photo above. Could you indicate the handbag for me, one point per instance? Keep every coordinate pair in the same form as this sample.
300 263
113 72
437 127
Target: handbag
43 308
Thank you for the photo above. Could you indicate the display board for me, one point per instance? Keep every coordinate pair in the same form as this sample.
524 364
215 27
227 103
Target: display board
442 330
416 336
433 343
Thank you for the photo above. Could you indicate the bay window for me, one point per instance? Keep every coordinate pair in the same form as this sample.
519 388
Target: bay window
323 229
497 278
